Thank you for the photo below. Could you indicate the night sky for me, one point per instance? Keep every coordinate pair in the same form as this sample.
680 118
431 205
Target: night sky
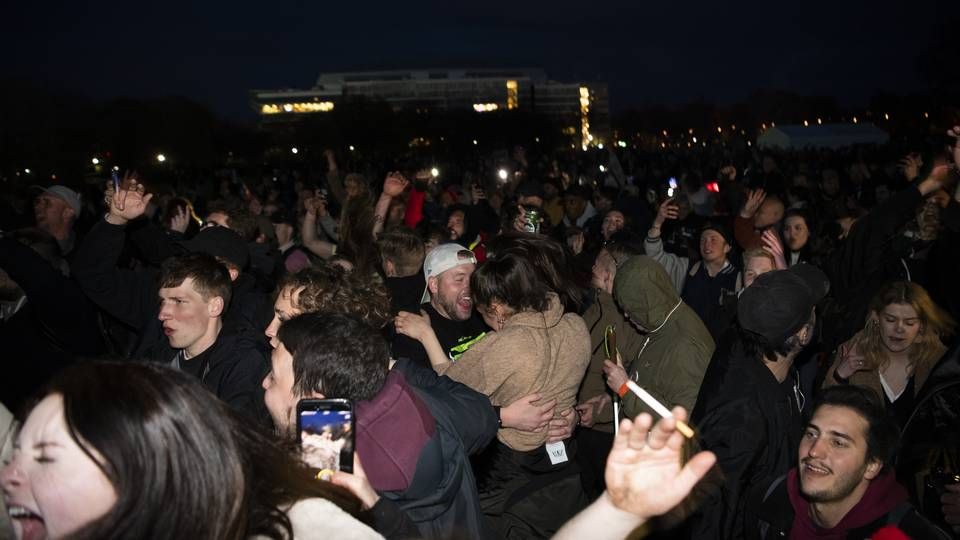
649 52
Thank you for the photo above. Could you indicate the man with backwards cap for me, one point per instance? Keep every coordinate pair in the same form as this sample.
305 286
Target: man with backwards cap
750 407
446 301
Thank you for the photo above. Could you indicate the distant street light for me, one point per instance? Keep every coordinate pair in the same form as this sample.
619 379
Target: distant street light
95 161
161 158
434 172
294 150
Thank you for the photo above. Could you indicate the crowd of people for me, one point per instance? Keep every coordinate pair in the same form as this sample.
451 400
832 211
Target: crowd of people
704 345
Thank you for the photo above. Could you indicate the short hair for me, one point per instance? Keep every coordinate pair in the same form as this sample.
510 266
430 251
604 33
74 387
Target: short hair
758 253
335 354
210 276
239 219
328 288
621 250
404 248
173 453
510 278
882 435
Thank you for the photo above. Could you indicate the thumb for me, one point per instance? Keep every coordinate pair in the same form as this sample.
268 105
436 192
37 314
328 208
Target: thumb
695 470
424 314
532 397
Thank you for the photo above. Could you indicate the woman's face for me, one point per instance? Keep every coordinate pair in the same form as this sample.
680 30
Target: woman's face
51 486
796 232
612 223
899 327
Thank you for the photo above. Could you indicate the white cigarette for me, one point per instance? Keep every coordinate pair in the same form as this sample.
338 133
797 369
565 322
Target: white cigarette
658 407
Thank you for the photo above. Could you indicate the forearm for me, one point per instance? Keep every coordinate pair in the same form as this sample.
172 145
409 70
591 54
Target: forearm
380 214
600 521
335 184
321 248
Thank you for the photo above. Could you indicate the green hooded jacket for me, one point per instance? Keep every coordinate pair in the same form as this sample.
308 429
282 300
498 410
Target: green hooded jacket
678 347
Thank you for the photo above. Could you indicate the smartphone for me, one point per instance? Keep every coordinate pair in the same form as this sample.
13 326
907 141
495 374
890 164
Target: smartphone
326 433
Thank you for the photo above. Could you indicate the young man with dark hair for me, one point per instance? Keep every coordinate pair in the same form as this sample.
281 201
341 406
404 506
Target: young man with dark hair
749 408
414 430
843 486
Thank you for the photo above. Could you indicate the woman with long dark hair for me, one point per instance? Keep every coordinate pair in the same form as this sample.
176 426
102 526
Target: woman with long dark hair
143 451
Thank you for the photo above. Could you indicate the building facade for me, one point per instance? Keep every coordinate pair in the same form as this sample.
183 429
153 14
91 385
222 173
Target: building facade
581 109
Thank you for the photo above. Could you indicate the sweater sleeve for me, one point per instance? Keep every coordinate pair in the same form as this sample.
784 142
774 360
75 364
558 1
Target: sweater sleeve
130 296
675 265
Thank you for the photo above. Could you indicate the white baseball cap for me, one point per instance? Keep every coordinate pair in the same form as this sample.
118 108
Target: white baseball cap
443 258
67 195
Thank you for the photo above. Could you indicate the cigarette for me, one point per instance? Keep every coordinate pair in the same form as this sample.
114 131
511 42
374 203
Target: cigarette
658 408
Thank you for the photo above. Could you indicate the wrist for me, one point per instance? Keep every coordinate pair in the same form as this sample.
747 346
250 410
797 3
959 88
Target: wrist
114 219
615 513
622 391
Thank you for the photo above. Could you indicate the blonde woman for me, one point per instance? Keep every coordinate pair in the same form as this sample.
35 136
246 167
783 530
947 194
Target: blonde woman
897 348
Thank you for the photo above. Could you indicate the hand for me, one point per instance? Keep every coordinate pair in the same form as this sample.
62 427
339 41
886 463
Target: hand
478 194
951 506
519 224
576 242
561 428
413 325
616 375
357 484
729 173
591 408
667 210
772 245
935 181
643 472
316 205
522 414
955 133
910 166
394 184
180 221
754 200
331 158
852 359
130 203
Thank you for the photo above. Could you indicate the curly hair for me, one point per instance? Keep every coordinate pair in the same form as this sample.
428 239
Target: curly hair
330 289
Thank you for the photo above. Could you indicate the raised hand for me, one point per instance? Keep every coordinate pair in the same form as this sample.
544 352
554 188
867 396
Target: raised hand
910 166
394 184
357 483
772 245
127 204
644 474
852 359
180 221
754 200
316 205
668 209
728 173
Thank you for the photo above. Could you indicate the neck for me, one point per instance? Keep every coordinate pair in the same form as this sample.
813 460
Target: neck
60 231
206 341
828 515
781 368
714 267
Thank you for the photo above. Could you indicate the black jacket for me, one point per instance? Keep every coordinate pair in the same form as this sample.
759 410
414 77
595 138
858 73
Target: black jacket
752 423
465 424
57 324
131 297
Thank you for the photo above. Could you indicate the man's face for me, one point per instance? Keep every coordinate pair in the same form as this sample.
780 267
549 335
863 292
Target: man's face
830 183
833 455
186 316
755 266
51 212
713 248
455 224
604 271
284 308
770 213
796 233
450 292
574 206
279 395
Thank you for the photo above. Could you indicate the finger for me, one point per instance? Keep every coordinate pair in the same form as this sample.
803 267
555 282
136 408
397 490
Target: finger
622 438
638 436
695 470
146 199
661 431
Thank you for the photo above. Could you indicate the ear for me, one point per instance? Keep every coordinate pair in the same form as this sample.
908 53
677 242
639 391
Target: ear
726 248
215 306
234 274
68 213
389 268
434 285
873 469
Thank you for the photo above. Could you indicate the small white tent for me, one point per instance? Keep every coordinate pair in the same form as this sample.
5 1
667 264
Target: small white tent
795 137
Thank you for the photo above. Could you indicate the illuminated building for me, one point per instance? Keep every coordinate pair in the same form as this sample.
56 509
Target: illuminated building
581 110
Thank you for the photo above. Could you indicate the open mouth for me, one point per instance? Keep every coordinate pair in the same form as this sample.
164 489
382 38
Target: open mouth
31 525
810 468
465 303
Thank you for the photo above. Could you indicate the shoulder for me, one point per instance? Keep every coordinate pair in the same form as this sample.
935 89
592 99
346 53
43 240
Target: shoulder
318 518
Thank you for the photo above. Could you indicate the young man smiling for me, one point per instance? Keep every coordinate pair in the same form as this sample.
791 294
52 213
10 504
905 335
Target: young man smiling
843 486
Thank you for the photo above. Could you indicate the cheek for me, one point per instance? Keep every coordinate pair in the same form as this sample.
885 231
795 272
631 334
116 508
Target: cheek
73 498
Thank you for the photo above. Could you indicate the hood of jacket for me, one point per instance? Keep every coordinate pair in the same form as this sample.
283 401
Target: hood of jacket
644 290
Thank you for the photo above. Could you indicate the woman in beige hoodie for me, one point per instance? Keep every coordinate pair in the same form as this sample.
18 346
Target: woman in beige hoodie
534 348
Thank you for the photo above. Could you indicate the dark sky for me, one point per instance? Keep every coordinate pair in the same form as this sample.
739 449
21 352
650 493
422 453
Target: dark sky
649 52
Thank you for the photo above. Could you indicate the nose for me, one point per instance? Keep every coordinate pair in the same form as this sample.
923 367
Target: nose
265 384
271 331
164 314
816 450
10 475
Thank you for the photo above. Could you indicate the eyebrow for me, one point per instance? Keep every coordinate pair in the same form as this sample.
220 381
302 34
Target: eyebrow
44 444
835 433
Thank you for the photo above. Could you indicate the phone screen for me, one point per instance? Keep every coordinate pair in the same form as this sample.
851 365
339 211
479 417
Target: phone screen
326 434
